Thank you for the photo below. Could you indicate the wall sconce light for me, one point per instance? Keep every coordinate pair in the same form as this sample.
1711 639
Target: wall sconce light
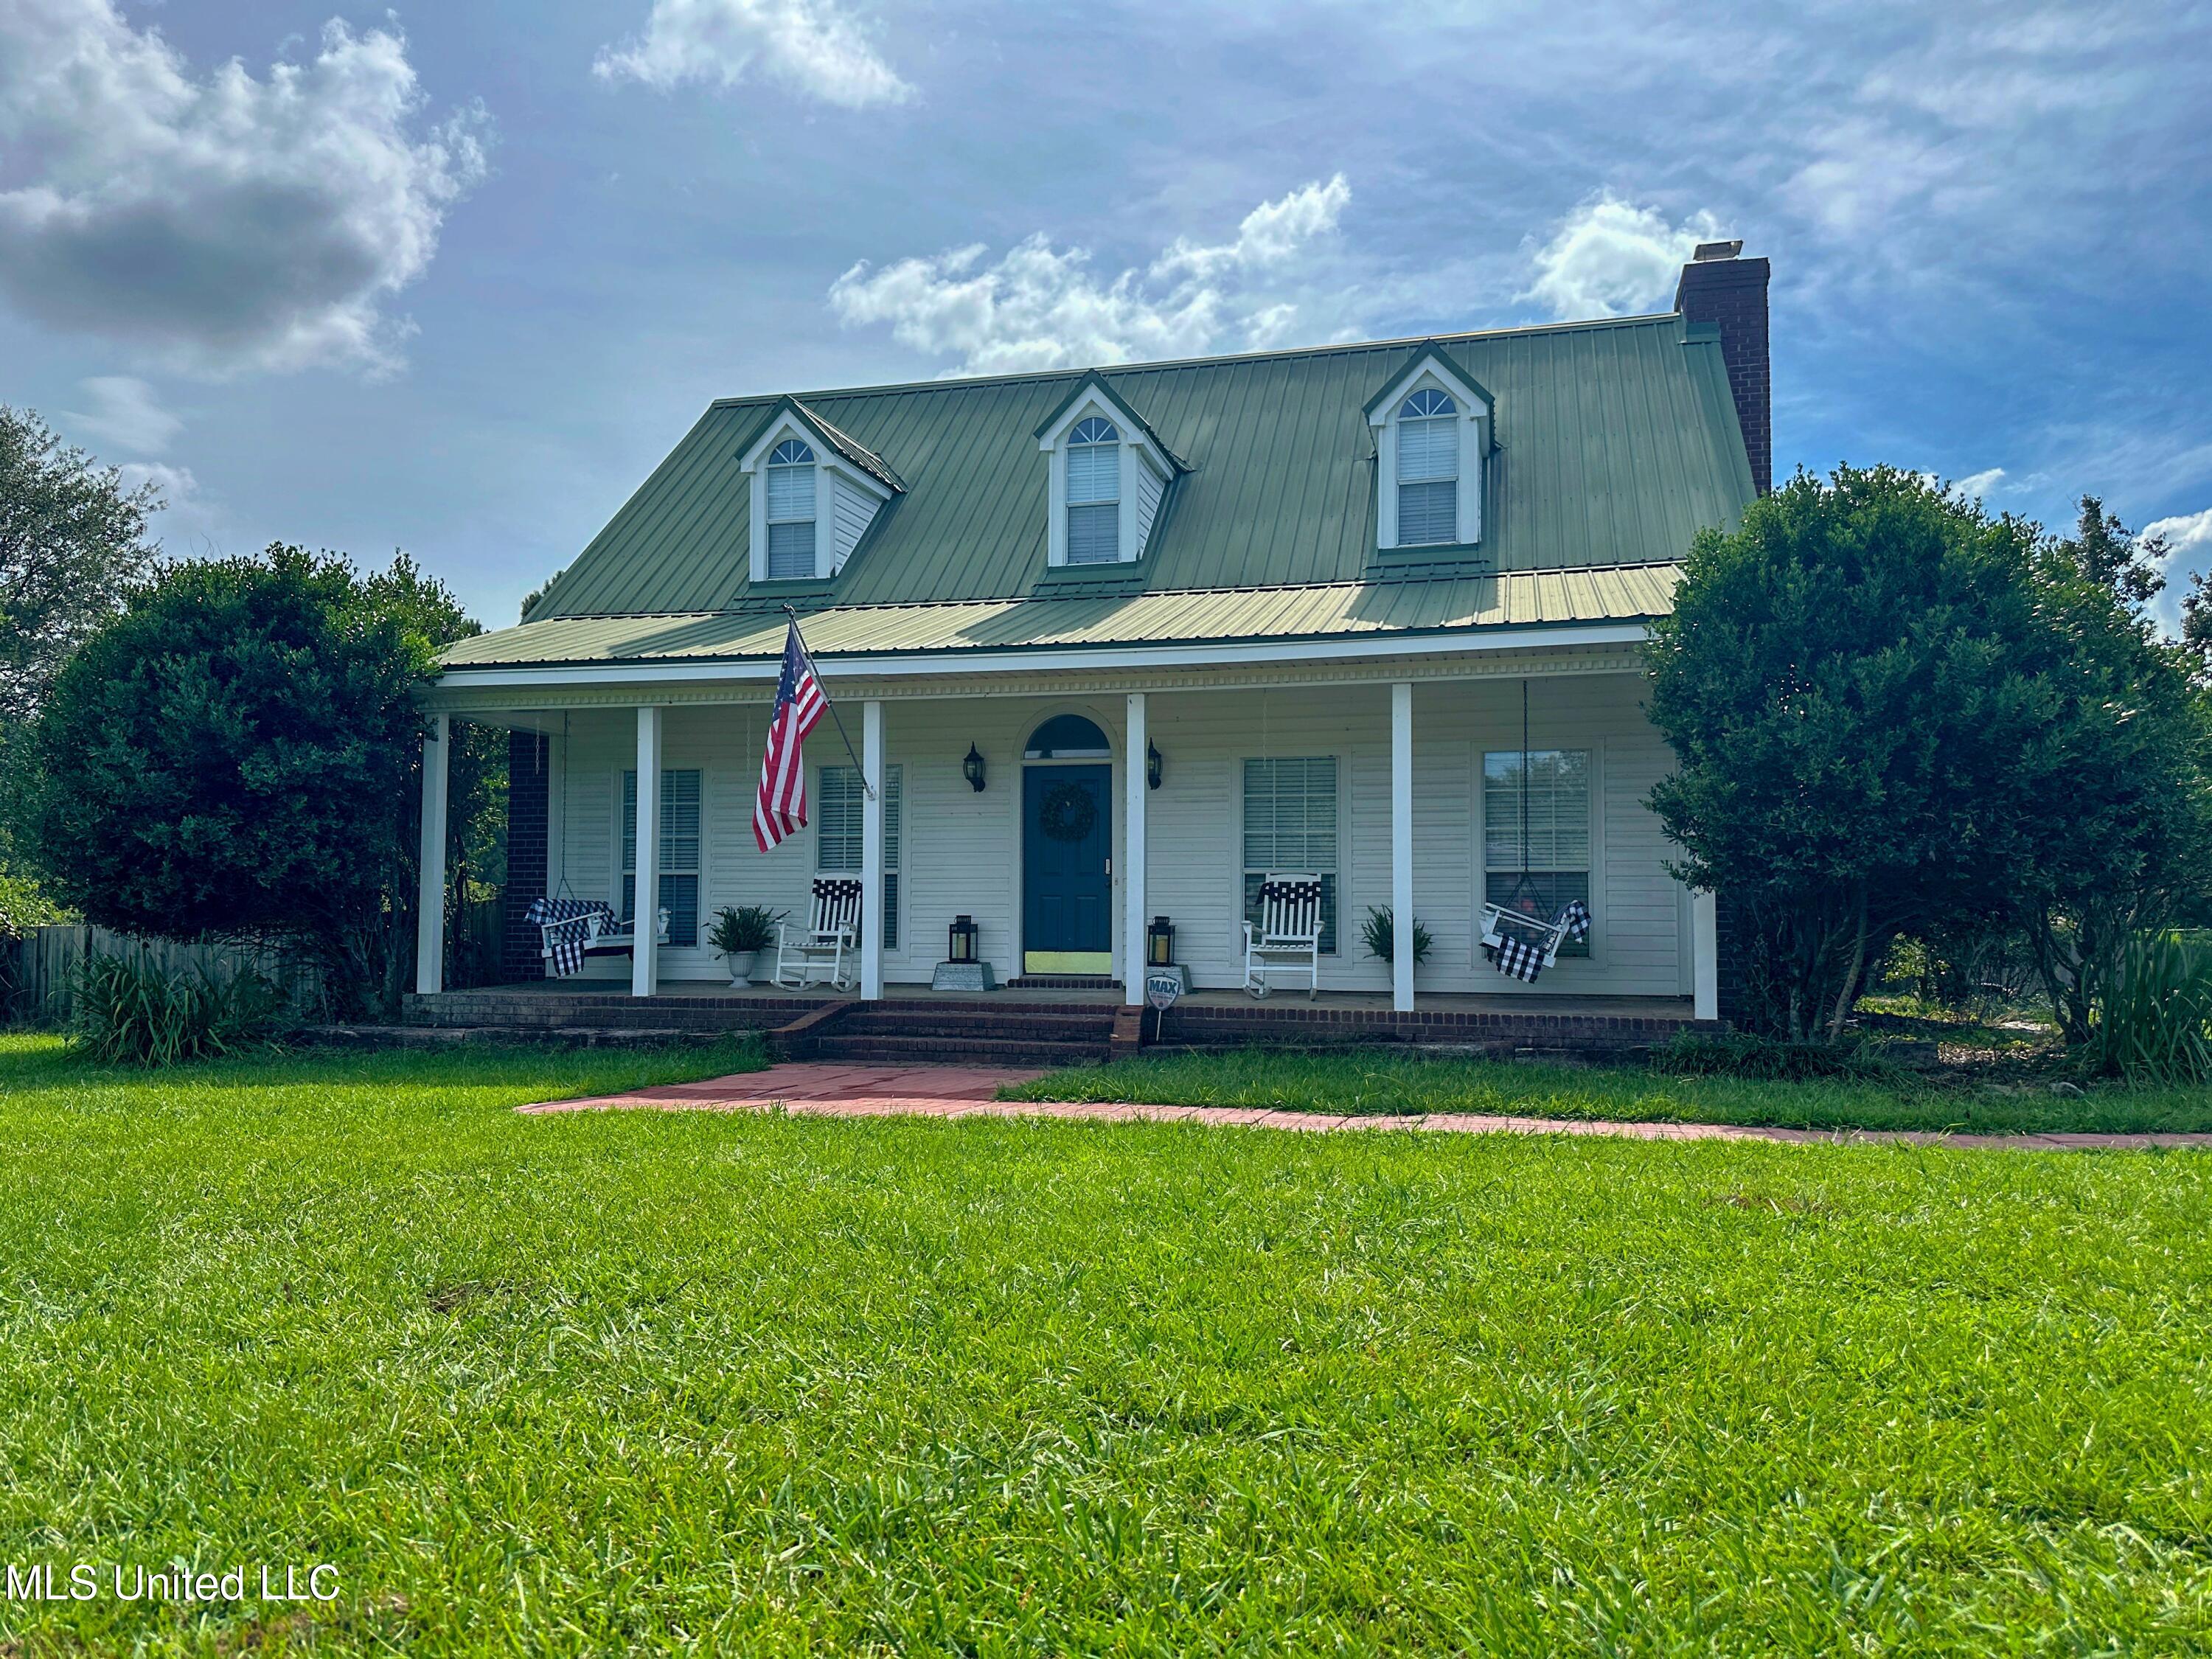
972 769
1153 767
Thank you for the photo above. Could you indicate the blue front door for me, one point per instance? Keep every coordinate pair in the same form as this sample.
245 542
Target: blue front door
1067 878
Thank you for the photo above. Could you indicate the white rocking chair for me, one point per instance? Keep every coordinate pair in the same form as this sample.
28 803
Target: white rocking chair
823 951
1287 941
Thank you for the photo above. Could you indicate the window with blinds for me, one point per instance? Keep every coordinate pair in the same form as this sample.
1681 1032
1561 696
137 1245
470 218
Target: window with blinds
1428 470
1536 833
1094 493
790 486
839 802
1290 826
679 852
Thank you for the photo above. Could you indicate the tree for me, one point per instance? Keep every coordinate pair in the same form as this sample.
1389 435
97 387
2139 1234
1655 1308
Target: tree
238 755
2110 556
2128 846
71 540
1885 705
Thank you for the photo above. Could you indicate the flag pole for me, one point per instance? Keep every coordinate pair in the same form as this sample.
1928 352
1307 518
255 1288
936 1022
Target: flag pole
867 782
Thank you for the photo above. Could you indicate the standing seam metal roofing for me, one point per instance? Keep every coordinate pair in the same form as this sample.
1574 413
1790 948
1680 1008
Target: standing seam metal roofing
1616 441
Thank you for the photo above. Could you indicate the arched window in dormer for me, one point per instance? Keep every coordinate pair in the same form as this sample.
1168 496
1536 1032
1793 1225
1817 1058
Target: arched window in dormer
1428 468
1094 492
791 511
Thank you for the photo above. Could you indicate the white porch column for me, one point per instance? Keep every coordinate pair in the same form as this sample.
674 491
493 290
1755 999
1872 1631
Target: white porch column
645 953
1704 956
430 899
871 850
1401 846
1133 856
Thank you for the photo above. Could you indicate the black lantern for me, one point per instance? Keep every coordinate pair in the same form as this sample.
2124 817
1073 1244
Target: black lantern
1159 943
972 769
1152 766
961 942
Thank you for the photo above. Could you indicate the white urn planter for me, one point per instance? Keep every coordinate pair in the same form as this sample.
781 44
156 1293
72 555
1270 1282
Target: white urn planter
740 964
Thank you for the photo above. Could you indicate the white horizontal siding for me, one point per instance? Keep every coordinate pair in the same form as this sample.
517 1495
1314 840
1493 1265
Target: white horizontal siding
1149 490
855 510
961 849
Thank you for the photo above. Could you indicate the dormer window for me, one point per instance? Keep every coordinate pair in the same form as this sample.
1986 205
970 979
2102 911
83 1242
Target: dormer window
816 492
790 511
1432 427
1428 470
1106 473
1094 493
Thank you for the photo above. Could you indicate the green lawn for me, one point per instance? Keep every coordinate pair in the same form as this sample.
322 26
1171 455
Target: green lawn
1382 1084
640 1380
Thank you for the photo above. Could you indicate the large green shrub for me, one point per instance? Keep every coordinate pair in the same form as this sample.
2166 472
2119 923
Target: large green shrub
238 756
1894 714
125 1010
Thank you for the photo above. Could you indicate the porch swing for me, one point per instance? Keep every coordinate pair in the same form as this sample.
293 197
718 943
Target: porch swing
1517 942
571 929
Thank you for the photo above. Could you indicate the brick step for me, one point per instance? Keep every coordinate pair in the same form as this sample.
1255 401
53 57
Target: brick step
928 1022
981 1051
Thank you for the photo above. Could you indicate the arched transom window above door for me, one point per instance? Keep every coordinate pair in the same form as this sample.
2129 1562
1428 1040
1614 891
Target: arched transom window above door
1067 737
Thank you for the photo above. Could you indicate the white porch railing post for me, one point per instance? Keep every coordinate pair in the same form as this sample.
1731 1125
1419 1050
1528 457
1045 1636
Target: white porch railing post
430 898
871 850
1704 956
645 905
1401 847
1133 856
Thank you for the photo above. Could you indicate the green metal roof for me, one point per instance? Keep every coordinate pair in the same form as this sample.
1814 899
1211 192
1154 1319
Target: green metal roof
1616 441
1517 599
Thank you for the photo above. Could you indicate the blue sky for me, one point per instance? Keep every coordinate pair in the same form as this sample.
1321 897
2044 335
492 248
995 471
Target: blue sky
453 279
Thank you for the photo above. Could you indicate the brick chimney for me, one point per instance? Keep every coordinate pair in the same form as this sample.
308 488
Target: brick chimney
1721 288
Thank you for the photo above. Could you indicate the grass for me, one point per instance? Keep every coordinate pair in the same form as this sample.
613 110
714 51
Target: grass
1380 1085
639 1381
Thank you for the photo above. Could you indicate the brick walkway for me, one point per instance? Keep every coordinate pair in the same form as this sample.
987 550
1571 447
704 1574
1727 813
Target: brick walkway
841 1091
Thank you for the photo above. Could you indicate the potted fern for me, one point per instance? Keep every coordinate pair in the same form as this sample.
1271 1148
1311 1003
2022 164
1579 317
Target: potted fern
740 934
1379 934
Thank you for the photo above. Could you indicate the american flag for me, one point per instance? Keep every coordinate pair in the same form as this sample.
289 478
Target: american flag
781 807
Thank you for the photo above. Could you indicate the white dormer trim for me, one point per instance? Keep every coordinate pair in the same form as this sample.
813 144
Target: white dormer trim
1430 370
845 498
1146 474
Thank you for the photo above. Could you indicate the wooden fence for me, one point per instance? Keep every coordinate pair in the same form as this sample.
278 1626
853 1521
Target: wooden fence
36 980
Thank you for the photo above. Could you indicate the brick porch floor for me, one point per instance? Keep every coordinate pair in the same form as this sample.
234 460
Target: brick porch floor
833 1090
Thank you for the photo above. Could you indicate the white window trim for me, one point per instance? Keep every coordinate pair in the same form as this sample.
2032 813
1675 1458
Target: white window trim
1429 371
1340 951
894 772
625 825
1136 451
1596 960
832 473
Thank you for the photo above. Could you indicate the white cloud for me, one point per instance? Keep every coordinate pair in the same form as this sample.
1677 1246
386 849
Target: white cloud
1271 234
2188 539
809 45
222 220
124 416
1039 306
1610 258
177 487
1978 486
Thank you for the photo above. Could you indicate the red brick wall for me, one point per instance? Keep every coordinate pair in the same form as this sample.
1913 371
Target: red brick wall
1732 293
526 801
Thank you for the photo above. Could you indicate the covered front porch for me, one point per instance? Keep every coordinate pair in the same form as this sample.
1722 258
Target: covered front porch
1065 814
